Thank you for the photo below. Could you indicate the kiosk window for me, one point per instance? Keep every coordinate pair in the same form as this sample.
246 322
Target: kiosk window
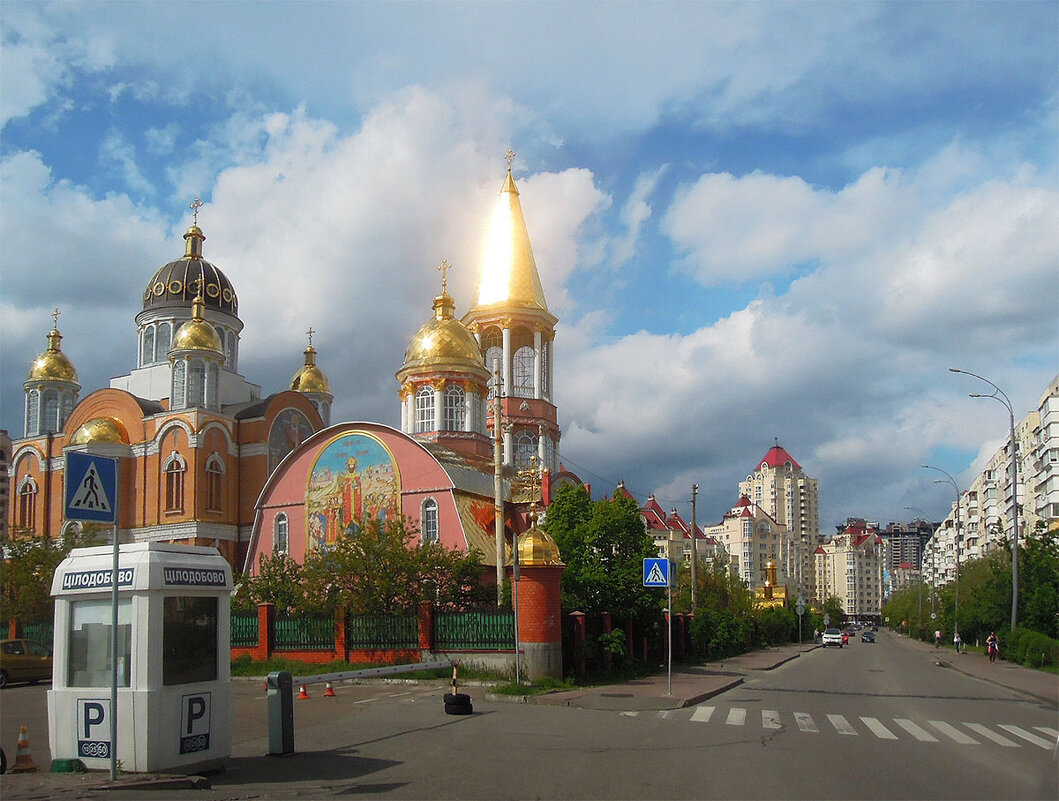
189 639
89 662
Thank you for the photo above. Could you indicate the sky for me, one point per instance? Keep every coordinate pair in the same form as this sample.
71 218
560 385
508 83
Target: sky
755 221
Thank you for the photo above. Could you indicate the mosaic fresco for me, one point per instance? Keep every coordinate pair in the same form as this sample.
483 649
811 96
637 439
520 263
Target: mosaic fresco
289 430
355 478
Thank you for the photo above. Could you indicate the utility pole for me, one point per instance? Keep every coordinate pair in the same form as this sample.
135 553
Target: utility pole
498 488
694 550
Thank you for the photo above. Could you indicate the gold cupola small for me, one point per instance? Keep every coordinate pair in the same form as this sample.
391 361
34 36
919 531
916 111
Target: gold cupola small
51 387
196 333
311 382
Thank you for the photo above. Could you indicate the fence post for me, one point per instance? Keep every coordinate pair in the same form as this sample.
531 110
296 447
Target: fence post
341 651
426 626
12 629
579 642
266 631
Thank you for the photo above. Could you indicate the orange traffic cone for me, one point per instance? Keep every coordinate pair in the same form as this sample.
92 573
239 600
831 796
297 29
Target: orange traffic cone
23 758
329 691
302 693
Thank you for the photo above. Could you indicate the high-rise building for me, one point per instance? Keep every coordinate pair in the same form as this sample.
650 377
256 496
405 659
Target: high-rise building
850 566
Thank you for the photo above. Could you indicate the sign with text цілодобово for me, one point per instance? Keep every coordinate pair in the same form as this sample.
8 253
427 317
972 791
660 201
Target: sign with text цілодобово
91 488
656 572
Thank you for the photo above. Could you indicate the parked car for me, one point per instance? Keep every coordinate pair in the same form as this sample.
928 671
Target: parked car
867 636
24 660
832 637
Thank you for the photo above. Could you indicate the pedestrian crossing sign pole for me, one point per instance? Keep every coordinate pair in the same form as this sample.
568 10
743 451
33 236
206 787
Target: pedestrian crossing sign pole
92 495
657 573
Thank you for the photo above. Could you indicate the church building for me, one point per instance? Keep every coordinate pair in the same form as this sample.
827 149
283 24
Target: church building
193 438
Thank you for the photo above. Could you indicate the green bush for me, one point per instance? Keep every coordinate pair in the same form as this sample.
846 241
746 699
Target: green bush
716 634
1030 648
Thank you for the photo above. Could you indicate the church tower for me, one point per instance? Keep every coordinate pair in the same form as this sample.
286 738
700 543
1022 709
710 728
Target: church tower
51 388
313 384
515 331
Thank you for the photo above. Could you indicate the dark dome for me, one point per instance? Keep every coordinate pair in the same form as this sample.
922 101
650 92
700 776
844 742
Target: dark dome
177 283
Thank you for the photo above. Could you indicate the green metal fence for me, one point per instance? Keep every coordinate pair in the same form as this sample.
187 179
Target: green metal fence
244 629
42 631
304 632
484 630
382 631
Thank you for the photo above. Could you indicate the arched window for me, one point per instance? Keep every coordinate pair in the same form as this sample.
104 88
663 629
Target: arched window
163 341
147 351
196 383
177 399
429 522
66 408
525 448
214 483
229 351
27 504
424 410
476 407
211 385
455 408
174 484
280 535
522 372
32 413
51 412
493 350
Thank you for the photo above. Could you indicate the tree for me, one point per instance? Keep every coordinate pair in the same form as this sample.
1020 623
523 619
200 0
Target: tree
833 609
383 569
603 544
278 580
28 566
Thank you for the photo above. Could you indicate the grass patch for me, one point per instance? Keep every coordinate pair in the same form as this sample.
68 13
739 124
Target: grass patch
544 685
246 666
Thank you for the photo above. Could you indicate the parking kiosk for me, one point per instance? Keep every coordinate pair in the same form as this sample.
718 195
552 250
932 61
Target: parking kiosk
174 710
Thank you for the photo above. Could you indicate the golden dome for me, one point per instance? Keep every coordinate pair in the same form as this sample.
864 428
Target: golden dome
100 429
443 342
52 365
196 333
537 548
309 377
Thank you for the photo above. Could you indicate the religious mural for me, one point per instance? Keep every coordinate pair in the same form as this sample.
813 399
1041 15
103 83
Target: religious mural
355 478
289 430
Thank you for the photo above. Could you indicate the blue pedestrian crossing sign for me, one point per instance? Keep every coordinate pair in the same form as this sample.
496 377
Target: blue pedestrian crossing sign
91 488
656 572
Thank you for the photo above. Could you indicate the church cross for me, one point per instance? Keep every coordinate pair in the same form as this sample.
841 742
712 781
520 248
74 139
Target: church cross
444 268
510 155
55 318
195 206
310 332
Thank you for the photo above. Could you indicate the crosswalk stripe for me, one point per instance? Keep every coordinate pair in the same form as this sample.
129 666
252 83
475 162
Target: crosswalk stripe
920 734
702 714
665 714
1027 736
953 732
1049 731
989 734
841 724
878 729
630 714
805 722
770 719
736 716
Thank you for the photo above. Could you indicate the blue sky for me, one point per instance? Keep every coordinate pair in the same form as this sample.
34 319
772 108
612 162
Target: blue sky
754 220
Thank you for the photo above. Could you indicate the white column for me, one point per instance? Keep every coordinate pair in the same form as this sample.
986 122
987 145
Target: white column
439 410
541 450
505 369
509 447
537 366
471 401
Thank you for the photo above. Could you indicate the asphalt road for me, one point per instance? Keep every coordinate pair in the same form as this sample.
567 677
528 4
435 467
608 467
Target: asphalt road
864 722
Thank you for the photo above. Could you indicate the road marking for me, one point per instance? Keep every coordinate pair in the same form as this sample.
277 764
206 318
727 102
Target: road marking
920 734
367 700
770 719
878 729
841 725
953 732
664 714
736 716
805 722
702 714
989 734
1027 736
1050 732
630 714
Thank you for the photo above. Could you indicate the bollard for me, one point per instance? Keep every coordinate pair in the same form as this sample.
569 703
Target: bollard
280 713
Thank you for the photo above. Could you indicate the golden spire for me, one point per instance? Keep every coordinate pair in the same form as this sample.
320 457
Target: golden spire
53 365
509 271
194 236
309 377
444 305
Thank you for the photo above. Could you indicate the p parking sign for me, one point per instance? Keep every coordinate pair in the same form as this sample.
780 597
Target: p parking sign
93 728
195 723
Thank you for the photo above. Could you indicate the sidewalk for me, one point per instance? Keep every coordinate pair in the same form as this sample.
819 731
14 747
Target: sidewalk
692 684
1036 684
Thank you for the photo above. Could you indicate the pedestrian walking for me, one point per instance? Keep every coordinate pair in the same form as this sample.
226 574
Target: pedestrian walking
992 644
937 638
956 641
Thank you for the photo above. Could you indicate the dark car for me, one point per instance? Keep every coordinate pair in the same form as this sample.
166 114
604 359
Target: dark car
867 636
24 660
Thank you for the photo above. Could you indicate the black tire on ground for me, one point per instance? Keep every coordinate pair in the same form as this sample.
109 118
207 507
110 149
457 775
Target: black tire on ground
459 709
3 761
457 698
3 678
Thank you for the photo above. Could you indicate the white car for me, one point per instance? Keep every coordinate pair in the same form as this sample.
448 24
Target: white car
832 637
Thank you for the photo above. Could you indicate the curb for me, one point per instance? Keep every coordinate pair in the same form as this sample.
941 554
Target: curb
1050 702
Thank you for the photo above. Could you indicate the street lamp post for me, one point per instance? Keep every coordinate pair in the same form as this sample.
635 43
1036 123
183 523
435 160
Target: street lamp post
956 540
919 555
1001 397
